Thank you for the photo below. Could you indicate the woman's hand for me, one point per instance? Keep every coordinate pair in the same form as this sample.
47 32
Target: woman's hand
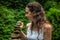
19 24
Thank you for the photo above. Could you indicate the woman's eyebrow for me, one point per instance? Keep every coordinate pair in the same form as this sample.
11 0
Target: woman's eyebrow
26 12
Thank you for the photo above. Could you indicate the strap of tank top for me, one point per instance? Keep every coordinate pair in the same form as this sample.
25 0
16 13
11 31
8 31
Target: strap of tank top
39 33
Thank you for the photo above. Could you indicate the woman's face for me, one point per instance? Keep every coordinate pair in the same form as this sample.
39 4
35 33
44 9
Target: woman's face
29 14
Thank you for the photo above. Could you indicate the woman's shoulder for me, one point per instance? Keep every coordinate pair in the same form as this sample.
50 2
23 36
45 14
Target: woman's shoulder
28 25
48 26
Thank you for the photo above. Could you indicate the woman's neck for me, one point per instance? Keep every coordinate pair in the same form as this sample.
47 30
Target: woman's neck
33 22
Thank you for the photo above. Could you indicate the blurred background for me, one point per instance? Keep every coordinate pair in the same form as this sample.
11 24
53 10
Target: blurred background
12 11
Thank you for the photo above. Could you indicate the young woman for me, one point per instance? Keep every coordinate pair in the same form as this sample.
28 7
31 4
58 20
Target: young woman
39 27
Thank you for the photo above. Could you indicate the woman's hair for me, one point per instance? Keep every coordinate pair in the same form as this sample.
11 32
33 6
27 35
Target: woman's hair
40 14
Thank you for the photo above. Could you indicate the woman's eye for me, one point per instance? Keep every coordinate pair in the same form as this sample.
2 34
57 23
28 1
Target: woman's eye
26 12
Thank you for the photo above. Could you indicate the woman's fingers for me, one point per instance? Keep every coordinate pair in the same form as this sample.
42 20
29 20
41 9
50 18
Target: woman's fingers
20 24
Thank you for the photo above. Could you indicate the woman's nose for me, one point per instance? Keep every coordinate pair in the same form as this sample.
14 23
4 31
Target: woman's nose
26 15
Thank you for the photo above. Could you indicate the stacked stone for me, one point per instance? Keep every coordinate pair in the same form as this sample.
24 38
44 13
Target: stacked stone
16 33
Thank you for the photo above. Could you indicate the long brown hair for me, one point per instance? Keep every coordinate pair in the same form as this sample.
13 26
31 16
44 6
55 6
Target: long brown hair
40 15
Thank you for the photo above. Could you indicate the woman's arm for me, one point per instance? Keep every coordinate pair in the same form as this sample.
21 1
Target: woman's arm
48 32
22 35
18 33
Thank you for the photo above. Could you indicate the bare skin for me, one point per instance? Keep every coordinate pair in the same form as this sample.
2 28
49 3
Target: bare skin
47 32
47 27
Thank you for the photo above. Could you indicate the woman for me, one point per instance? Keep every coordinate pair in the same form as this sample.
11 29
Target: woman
39 27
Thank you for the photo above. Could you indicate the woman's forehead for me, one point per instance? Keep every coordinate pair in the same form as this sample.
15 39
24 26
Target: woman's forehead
27 9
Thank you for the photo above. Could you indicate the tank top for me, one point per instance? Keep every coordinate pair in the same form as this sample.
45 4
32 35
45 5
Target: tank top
34 35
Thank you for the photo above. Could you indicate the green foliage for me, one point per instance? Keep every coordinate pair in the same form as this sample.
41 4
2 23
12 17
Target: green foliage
14 4
49 4
8 18
12 11
54 17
